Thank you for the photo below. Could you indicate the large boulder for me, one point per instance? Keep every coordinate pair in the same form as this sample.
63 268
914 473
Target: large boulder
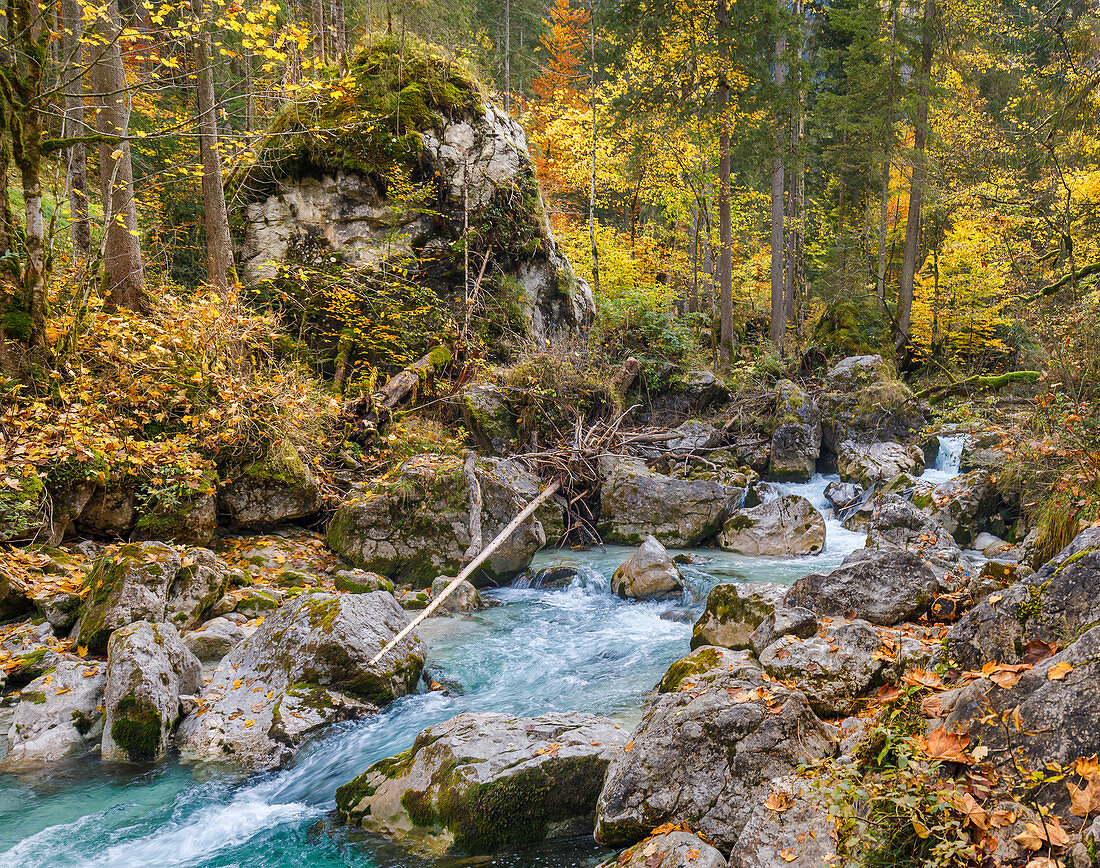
148 670
416 524
880 461
793 828
648 574
306 666
1059 601
312 195
216 638
961 505
862 402
833 668
884 587
276 489
675 849
796 438
201 581
58 715
707 749
130 585
786 527
898 524
796 622
488 417
481 782
853 373
637 502
733 612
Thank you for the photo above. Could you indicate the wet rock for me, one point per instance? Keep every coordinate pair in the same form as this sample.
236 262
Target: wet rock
637 502
57 716
707 749
870 463
1059 601
899 524
277 489
796 438
676 849
801 835
962 504
463 599
148 669
416 525
733 612
800 623
786 527
361 582
200 582
481 782
130 585
883 587
833 668
552 577
305 667
648 574
216 638
843 496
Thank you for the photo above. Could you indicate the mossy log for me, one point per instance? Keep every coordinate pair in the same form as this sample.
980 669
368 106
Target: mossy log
368 415
977 383
1065 280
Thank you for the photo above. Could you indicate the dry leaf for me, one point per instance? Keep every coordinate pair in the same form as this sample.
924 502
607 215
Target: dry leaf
788 855
691 855
778 802
1085 800
948 746
249 723
1059 671
1038 835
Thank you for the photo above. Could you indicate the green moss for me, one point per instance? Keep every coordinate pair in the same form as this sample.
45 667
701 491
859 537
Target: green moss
1033 606
321 611
352 793
739 522
137 729
695 663
283 467
350 586
35 696
21 509
101 584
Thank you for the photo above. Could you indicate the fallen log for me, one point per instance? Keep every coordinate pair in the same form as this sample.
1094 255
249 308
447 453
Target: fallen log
469 570
367 415
977 383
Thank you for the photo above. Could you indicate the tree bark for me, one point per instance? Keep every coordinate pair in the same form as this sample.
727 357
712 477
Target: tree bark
317 15
125 273
916 183
507 55
884 200
76 158
219 246
592 169
725 222
779 310
339 34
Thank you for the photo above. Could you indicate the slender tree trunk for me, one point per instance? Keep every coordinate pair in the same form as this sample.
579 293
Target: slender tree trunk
219 247
507 55
916 184
884 201
317 15
125 273
339 34
779 309
76 160
725 222
7 215
592 171
796 194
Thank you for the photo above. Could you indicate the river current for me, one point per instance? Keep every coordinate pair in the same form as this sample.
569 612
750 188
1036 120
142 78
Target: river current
572 648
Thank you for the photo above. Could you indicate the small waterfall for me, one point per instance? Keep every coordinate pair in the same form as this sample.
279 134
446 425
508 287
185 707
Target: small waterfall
950 455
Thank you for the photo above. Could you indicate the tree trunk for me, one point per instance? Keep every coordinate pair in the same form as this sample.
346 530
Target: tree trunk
884 200
507 55
125 274
219 247
796 196
76 160
592 171
779 310
7 215
725 223
317 16
916 184
339 34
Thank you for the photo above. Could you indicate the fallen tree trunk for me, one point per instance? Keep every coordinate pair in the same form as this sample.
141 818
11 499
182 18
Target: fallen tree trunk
977 383
469 570
367 415
1064 280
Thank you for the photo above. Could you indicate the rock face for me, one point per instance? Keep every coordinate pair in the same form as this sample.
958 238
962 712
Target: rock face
800 623
801 836
416 526
832 668
648 574
488 418
480 782
637 502
321 202
861 402
148 669
796 439
870 463
201 581
962 504
898 524
1059 717
57 716
677 849
305 667
882 587
733 612
278 489
707 749
786 527
214 639
1059 600
15 598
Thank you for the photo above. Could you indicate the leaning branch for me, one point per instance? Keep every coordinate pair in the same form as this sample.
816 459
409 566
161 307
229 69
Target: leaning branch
1064 280
977 384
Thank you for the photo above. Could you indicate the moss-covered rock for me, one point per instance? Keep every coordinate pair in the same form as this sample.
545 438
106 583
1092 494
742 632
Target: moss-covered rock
277 489
481 782
788 526
22 507
361 582
733 612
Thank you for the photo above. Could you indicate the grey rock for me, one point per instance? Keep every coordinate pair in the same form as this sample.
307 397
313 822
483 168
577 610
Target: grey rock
844 497
148 668
796 438
870 463
637 502
707 749
733 612
488 417
481 782
804 830
259 602
852 373
360 582
884 587
111 512
201 581
677 849
648 574
216 638
306 666
57 716
898 524
800 623
704 389
61 610
833 668
462 599
693 436
276 489
963 504
786 527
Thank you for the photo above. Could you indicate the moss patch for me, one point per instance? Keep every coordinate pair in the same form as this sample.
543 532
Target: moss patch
137 729
695 663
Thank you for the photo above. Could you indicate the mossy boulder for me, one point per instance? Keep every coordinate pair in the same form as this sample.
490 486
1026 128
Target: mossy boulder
23 508
191 520
148 669
277 489
306 666
489 418
880 461
788 526
479 783
796 435
202 580
733 612
863 401
361 582
462 600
